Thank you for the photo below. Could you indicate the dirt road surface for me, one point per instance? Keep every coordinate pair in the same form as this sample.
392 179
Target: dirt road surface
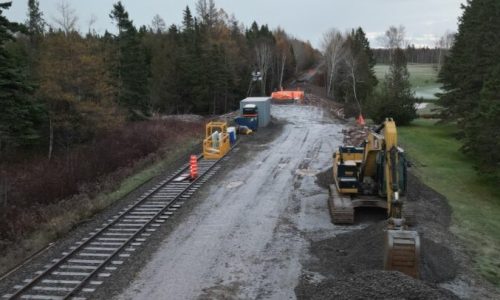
246 239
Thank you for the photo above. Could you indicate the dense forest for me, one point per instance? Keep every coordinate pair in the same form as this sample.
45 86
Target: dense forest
61 87
471 82
81 110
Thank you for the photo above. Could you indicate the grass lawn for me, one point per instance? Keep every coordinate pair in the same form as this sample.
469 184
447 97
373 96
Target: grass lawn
475 200
423 78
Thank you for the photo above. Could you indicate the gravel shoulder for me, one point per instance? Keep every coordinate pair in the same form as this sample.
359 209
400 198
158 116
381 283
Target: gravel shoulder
245 237
260 229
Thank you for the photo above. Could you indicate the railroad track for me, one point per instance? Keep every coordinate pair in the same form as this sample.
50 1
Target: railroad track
91 261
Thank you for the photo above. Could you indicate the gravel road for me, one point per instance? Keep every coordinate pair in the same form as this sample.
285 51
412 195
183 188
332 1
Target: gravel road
247 237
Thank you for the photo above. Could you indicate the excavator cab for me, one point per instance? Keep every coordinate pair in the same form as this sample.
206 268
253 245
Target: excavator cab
374 175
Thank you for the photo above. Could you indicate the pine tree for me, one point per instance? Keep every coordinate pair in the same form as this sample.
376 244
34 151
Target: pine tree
470 78
472 58
481 125
187 21
396 100
20 114
132 68
359 67
35 22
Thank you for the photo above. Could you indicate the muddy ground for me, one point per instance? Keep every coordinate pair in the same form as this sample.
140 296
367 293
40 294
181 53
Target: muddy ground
244 239
261 230
350 263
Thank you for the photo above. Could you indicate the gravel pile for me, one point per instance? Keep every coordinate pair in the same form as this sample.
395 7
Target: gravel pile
372 285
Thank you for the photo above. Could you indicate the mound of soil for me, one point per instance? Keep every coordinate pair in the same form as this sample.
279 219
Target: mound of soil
363 250
372 285
352 262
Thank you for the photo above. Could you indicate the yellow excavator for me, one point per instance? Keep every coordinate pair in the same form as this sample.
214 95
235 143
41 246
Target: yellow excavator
374 175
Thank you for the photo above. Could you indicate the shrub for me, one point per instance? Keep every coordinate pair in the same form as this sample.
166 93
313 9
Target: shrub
35 183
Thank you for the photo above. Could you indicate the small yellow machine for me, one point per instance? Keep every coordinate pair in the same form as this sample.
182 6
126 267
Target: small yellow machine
216 143
374 175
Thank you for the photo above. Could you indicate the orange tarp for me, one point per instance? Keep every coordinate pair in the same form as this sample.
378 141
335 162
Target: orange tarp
288 95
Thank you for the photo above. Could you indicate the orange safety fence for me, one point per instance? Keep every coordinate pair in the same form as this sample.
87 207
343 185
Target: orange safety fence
288 95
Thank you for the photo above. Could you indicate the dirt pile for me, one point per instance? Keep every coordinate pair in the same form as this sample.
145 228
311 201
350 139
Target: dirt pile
336 109
363 250
355 135
352 262
372 285
350 253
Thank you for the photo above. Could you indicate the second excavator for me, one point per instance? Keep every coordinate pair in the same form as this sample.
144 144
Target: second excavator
374 175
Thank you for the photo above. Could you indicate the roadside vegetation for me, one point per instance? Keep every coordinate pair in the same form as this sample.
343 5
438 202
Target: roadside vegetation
439 162
47 200
82 111
458 155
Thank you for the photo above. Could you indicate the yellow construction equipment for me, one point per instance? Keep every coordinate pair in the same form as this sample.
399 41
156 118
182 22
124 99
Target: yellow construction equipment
216 143
374 175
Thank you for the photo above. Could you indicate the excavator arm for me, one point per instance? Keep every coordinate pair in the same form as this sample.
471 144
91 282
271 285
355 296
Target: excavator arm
402 249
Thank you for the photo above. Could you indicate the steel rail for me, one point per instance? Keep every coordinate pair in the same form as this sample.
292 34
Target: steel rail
135 234
62 260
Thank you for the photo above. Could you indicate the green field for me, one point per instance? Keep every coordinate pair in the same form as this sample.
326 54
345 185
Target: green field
423 78
475 199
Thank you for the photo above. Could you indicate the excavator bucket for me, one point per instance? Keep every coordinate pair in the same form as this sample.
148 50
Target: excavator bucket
402 252
341 209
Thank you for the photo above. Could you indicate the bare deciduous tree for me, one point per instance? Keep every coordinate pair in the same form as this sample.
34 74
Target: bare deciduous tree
333 48
394 38
282 53
91 22
443 45
158 24
264 57
67 18
351 62
207 11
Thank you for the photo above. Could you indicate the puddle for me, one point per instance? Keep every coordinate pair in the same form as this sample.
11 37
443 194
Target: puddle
234 184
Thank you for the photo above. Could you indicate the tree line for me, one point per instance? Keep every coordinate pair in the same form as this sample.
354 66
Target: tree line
350 76
416 55
471 82
59 86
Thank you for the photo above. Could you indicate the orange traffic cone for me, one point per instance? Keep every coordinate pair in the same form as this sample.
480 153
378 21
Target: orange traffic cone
361 120
193 167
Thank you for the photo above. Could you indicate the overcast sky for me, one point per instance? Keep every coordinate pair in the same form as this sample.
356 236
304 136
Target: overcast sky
425 20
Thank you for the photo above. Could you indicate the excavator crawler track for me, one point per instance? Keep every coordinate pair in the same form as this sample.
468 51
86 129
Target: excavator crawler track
341 209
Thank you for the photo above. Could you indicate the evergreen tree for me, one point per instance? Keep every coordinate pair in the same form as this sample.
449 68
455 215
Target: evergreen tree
187 21
35 25
132 68
470 78
396 100
20 114
35 22
358 70
481 125
472 58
